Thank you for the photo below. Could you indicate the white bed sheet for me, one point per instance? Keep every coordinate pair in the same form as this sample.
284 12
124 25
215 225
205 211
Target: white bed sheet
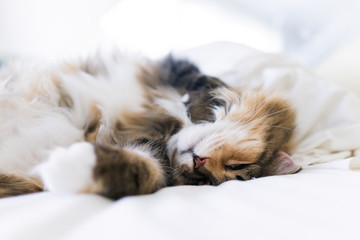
320 202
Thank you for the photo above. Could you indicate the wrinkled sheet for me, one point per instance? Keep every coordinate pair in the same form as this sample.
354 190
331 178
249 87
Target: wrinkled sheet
320 202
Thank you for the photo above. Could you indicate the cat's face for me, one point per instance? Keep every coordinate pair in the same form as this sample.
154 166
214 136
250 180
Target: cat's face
241 139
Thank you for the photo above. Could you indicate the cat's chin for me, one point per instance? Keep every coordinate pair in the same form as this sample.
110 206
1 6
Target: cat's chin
187 176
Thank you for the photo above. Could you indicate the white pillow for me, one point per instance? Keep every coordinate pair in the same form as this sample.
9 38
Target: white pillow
342 67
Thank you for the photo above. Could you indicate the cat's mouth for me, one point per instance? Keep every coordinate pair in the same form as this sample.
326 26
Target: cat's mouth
190 174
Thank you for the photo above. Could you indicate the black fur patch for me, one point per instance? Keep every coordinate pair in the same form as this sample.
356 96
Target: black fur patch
123 173
186 78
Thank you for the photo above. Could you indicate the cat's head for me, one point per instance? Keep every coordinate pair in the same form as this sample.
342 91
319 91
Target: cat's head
243 138
226 134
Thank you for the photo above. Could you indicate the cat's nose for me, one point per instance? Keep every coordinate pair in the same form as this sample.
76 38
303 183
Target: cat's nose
198 161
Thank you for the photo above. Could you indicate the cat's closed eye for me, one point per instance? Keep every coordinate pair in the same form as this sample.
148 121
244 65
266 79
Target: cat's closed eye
235 167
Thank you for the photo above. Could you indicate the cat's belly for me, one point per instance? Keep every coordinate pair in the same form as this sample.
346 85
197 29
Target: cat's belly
44 110
29 143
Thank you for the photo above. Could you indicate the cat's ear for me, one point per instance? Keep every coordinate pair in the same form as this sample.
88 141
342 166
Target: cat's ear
282 164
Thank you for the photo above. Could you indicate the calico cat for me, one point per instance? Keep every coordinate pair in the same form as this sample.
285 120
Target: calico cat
118 125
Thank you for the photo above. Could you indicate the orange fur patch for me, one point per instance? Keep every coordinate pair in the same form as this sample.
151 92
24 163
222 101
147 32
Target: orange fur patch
13 185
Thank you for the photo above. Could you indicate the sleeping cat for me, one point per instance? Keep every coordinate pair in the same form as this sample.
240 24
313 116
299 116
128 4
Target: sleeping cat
118 125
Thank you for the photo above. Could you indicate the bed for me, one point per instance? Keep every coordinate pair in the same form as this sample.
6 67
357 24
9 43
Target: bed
319 202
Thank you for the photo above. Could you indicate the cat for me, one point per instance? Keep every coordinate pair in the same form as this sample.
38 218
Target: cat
120 125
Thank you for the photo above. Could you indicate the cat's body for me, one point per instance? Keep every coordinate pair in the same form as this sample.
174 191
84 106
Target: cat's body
132 126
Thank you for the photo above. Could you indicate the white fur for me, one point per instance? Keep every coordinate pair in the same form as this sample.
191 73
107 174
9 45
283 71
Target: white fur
203 138
141 150
185 98
27 133
31 121
173 104
68 169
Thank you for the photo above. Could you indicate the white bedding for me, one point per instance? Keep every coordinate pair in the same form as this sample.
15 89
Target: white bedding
320 202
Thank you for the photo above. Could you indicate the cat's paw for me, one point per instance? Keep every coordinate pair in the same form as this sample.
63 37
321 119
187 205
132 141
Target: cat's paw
127 171
111 172
69 169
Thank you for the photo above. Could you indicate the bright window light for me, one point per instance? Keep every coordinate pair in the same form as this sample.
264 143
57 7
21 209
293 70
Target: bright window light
159 26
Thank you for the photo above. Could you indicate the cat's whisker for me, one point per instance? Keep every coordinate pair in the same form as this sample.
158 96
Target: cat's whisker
277 112
253 115
167 169
290 129
174 175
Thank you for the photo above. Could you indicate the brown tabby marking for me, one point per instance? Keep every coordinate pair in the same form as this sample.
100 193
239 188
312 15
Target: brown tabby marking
121 173
12 185
149 74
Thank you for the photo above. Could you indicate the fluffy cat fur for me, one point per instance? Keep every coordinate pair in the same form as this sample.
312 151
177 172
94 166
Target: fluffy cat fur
118 125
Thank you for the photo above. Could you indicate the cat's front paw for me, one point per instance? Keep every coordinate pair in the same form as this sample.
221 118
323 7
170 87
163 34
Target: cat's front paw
127 171
69 169
111 172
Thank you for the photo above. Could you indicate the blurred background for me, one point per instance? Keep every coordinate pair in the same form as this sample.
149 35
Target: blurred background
316 33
